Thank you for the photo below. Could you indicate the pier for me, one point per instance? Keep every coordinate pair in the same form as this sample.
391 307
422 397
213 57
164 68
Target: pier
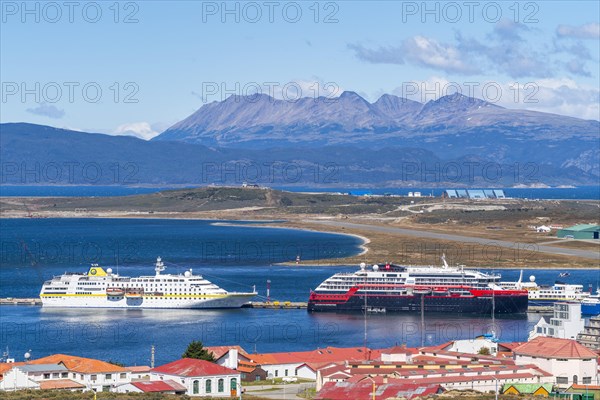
276 304
272 305
20 302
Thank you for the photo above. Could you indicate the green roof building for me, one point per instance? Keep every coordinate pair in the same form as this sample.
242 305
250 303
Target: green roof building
583 231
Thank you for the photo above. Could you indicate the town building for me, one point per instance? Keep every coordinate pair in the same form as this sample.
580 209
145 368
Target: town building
299 364
200 378
566 322
485 344
533 389
582 231
568 361
473 194
93 374
31 376
590 336
435 366
589 390
376 388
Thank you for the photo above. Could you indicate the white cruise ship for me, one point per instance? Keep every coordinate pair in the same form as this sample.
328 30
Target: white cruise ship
547 295
100 288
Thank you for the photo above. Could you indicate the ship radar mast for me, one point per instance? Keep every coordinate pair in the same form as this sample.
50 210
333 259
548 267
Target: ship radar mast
159 266
444 261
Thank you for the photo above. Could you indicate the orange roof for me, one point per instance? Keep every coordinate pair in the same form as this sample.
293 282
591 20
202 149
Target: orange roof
5 367
220 351
584 387
554 348
60 384
244 369
80 364
328 354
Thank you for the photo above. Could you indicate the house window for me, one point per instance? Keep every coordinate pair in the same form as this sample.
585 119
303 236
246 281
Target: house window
587 380
257 378
123 375
64 375
93 377
46 376
562 380
196 387
221 385
55 374
575 380
286 372
74 375
208 386
106 388
276 373
108 376
233 384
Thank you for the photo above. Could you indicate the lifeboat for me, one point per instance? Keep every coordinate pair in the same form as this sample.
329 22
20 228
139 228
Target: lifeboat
134 293
114 291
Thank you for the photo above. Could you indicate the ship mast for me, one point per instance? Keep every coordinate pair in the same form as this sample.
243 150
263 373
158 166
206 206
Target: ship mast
159 266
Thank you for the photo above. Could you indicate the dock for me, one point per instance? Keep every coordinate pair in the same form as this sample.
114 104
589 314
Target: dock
272 305
10 301
276 304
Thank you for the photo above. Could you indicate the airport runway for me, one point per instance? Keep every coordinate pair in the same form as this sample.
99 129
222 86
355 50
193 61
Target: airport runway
526 247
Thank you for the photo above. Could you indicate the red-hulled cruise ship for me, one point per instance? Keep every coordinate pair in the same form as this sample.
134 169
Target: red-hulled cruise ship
397 288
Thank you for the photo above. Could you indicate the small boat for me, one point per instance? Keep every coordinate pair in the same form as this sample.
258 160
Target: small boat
564 275
591 304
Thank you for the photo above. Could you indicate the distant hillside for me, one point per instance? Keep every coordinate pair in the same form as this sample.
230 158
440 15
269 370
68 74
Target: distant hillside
36 154
451 127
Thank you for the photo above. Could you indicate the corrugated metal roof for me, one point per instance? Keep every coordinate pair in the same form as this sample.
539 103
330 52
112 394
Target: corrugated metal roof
583 227
43 368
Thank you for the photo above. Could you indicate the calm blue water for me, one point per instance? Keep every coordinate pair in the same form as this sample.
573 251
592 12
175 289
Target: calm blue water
579 193
73 191
234 257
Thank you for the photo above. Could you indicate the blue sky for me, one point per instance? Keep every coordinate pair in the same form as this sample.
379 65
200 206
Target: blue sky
146 65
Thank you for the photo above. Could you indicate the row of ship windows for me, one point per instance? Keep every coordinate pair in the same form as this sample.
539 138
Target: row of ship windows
161 298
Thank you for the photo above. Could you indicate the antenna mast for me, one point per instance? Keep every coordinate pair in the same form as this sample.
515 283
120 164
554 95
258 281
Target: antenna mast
152 357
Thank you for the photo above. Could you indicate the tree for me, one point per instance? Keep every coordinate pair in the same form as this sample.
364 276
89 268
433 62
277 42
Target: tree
484 351
196 350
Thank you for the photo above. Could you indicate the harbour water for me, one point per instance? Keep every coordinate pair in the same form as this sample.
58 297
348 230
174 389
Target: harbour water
577 193
233 256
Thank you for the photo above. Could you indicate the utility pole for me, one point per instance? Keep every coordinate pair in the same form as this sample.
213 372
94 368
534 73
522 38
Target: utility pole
152 357
423 320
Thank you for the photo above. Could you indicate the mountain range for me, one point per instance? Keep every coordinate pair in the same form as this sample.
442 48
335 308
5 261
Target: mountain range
452 141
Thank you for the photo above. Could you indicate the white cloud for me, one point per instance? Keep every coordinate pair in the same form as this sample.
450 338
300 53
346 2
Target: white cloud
562 96
142 130
419 50
47 110
587 31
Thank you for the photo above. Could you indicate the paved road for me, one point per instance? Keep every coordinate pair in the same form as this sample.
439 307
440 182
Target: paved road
525 247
